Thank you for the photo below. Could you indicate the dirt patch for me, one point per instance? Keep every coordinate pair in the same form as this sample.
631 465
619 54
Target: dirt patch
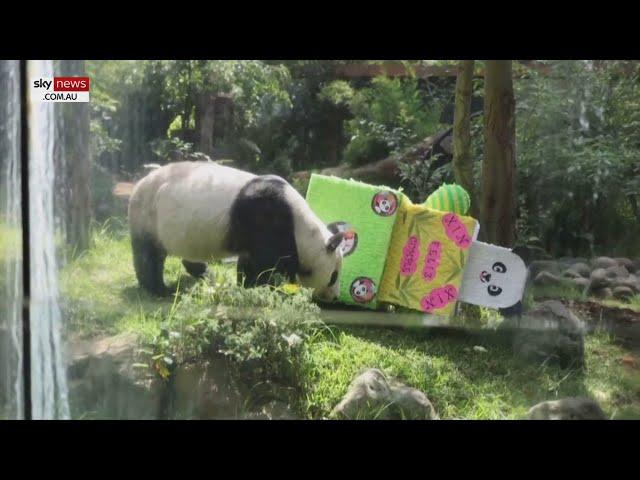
623 323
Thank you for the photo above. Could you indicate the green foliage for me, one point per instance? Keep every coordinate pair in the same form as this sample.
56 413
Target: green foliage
422 179
577 158
169 149
262 330
389 116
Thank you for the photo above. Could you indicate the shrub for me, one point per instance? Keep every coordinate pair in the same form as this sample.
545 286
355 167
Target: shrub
262 331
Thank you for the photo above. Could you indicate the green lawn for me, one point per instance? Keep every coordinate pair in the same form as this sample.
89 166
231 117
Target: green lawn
101 296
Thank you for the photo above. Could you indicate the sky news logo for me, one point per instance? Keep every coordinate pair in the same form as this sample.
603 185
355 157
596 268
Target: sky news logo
61 89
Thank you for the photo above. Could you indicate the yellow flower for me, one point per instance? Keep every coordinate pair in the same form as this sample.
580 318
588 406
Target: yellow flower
290 288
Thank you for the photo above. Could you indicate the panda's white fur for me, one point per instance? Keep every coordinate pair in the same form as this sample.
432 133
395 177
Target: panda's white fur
184 209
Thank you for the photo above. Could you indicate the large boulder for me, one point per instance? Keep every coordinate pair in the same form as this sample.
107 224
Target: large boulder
572 408
372 396
206 390
272 410
549 332
106 379
604 262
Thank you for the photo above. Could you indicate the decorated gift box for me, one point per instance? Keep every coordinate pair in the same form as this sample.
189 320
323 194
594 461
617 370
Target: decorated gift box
424 257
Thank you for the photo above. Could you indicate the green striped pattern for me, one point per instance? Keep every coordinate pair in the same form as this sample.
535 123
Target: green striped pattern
449 198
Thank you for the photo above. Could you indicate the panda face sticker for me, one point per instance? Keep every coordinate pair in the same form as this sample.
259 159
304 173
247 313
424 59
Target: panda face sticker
493 276
384 203
363 290
350 241
498 268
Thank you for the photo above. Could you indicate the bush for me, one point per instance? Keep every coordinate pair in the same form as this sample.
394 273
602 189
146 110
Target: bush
262 331
576 158
389 116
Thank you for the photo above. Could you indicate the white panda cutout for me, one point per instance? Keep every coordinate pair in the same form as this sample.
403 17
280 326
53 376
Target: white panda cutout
493 276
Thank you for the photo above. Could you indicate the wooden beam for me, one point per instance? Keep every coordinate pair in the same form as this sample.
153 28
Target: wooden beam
394 68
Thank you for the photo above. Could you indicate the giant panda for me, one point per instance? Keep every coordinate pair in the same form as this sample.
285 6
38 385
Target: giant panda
201 211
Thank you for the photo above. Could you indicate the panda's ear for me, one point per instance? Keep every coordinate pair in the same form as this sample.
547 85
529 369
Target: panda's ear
335 241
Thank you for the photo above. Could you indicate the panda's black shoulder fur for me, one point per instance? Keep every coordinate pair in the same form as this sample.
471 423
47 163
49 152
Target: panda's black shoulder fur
261 230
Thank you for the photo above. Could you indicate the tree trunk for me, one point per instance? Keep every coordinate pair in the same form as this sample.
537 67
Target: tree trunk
207 123
78 164
498 209
462 161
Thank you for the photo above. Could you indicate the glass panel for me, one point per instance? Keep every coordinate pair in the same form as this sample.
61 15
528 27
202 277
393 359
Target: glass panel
48 370
205 347
11 387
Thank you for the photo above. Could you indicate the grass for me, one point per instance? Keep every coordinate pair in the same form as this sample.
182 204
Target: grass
460 382
101 296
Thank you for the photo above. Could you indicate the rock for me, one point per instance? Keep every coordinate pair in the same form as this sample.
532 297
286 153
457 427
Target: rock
273 410
548 332
569 262
598 279
602 293
572 408
622 292
624 262
581 269
581 283
617 272
631 282
538 266
206 390
544 279
635 266
371 395
604 262
105 376
571 274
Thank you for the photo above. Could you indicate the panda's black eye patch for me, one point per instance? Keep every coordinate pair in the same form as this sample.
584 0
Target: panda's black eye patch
494 290
334 277
499 267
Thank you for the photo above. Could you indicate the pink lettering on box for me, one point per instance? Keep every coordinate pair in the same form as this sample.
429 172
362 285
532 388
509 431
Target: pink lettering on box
456 231
410 255
432 261
439 298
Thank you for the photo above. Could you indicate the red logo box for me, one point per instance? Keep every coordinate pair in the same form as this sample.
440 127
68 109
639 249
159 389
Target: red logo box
71 84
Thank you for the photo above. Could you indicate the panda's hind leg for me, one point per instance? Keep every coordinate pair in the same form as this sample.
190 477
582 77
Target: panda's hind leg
195 269
148 261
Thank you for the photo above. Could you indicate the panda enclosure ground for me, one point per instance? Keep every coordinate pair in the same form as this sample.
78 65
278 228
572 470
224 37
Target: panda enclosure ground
101 297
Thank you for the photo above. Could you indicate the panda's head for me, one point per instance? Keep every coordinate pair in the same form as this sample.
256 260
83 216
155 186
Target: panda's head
322 273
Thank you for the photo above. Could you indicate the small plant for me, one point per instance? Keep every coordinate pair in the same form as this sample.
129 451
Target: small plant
260 330
171 149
